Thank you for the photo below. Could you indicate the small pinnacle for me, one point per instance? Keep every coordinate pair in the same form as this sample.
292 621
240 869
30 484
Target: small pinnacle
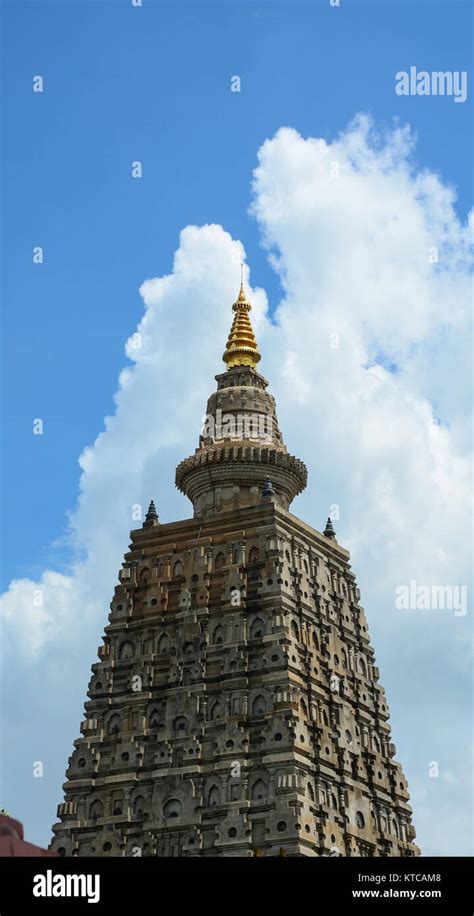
268 491
151 517
329 530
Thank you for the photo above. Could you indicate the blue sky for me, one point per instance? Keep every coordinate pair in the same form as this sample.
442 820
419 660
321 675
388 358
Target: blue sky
153 84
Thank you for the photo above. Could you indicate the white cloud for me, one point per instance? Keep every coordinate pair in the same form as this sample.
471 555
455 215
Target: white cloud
369 362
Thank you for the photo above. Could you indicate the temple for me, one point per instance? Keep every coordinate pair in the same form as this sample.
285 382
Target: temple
235 708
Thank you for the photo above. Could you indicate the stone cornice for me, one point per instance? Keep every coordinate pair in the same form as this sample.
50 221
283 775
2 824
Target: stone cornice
242 454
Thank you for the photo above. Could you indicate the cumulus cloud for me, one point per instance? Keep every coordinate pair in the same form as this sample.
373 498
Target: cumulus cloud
368 356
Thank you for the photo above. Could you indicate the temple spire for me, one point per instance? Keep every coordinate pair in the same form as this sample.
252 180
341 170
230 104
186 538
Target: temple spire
241 459
242 349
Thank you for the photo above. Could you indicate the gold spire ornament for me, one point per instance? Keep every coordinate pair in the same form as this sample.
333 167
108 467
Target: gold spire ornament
242 349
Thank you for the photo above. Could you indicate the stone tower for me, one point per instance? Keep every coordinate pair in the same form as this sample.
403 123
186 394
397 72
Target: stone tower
235 708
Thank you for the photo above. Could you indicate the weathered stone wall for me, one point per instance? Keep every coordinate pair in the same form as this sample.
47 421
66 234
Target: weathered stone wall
236 704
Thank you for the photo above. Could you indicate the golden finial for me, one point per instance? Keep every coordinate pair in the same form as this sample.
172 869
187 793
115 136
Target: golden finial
242 349
241 297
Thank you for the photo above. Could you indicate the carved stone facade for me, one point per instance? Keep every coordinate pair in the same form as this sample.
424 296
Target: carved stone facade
236 707
246 447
